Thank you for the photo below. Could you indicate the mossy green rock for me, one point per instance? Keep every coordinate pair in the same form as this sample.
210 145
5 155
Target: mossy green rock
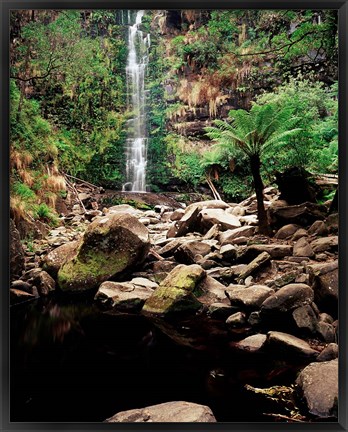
109 246
177 292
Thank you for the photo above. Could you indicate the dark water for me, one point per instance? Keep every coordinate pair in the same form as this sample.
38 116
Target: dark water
72 363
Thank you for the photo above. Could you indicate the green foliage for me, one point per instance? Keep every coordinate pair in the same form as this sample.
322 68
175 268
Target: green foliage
256 131
113 201
315 147
44 213
23 191
235 187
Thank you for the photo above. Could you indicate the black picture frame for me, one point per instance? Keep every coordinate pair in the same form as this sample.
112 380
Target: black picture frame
5 7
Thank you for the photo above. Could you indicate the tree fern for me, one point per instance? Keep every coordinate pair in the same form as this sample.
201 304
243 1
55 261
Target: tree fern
254 133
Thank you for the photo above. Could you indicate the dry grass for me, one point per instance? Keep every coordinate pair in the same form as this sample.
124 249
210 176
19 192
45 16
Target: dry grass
51 199
17 208
55 183
204 91
20 160
190 15
26 177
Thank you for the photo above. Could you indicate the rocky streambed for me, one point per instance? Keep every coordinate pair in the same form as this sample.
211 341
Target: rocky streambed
251 321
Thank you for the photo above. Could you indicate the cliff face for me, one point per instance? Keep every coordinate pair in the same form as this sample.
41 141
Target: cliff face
217 61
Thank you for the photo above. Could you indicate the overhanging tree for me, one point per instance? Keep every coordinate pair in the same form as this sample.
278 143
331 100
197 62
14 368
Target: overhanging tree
255 132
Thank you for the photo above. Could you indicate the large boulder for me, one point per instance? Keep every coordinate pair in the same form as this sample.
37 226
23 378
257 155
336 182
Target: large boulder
325 243
229 236
179 411
325 283
276 251
57 257
286 345
177 293
288 298
250 297
210 217
16 252
187 252
318 385
110 245
185 305
122 297
303 214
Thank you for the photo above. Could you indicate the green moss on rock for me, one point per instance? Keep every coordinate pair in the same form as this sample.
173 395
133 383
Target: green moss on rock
176 293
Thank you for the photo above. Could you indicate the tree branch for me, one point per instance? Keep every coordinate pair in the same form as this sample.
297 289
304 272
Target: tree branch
288 45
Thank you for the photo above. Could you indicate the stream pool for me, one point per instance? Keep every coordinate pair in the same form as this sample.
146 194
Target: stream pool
72 363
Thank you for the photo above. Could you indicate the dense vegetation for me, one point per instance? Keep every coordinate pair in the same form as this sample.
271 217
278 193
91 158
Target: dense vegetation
68 98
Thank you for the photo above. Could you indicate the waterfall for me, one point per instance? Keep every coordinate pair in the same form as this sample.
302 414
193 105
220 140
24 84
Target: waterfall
136 143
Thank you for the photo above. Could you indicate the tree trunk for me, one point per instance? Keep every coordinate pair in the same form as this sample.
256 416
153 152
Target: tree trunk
255 165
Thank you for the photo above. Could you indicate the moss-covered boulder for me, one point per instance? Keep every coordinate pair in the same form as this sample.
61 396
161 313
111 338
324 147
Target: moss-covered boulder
177 292
109 246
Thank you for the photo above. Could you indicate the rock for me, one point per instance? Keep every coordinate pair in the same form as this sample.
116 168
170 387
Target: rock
210 217
302 248
254 319
305 319
303 214
276 251
326 318
228 236
325 244
220 311
110 245
45 283
124 208
177 293
259 262
166 412
286 231
122 297
16 252
288 298
326 332
295 185
301 232
18 296
209 204
212 233
287 345
250 220
229 252
283 280
56 258
84 196
143 282
237 211
237 320
325 283
187 223
250 297
330 352
186 253
332 223
177 214
252 344
169 249
226 273
22 286
212 291
318 385
318 228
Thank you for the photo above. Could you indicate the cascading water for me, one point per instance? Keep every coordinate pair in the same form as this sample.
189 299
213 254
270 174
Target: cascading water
136 143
